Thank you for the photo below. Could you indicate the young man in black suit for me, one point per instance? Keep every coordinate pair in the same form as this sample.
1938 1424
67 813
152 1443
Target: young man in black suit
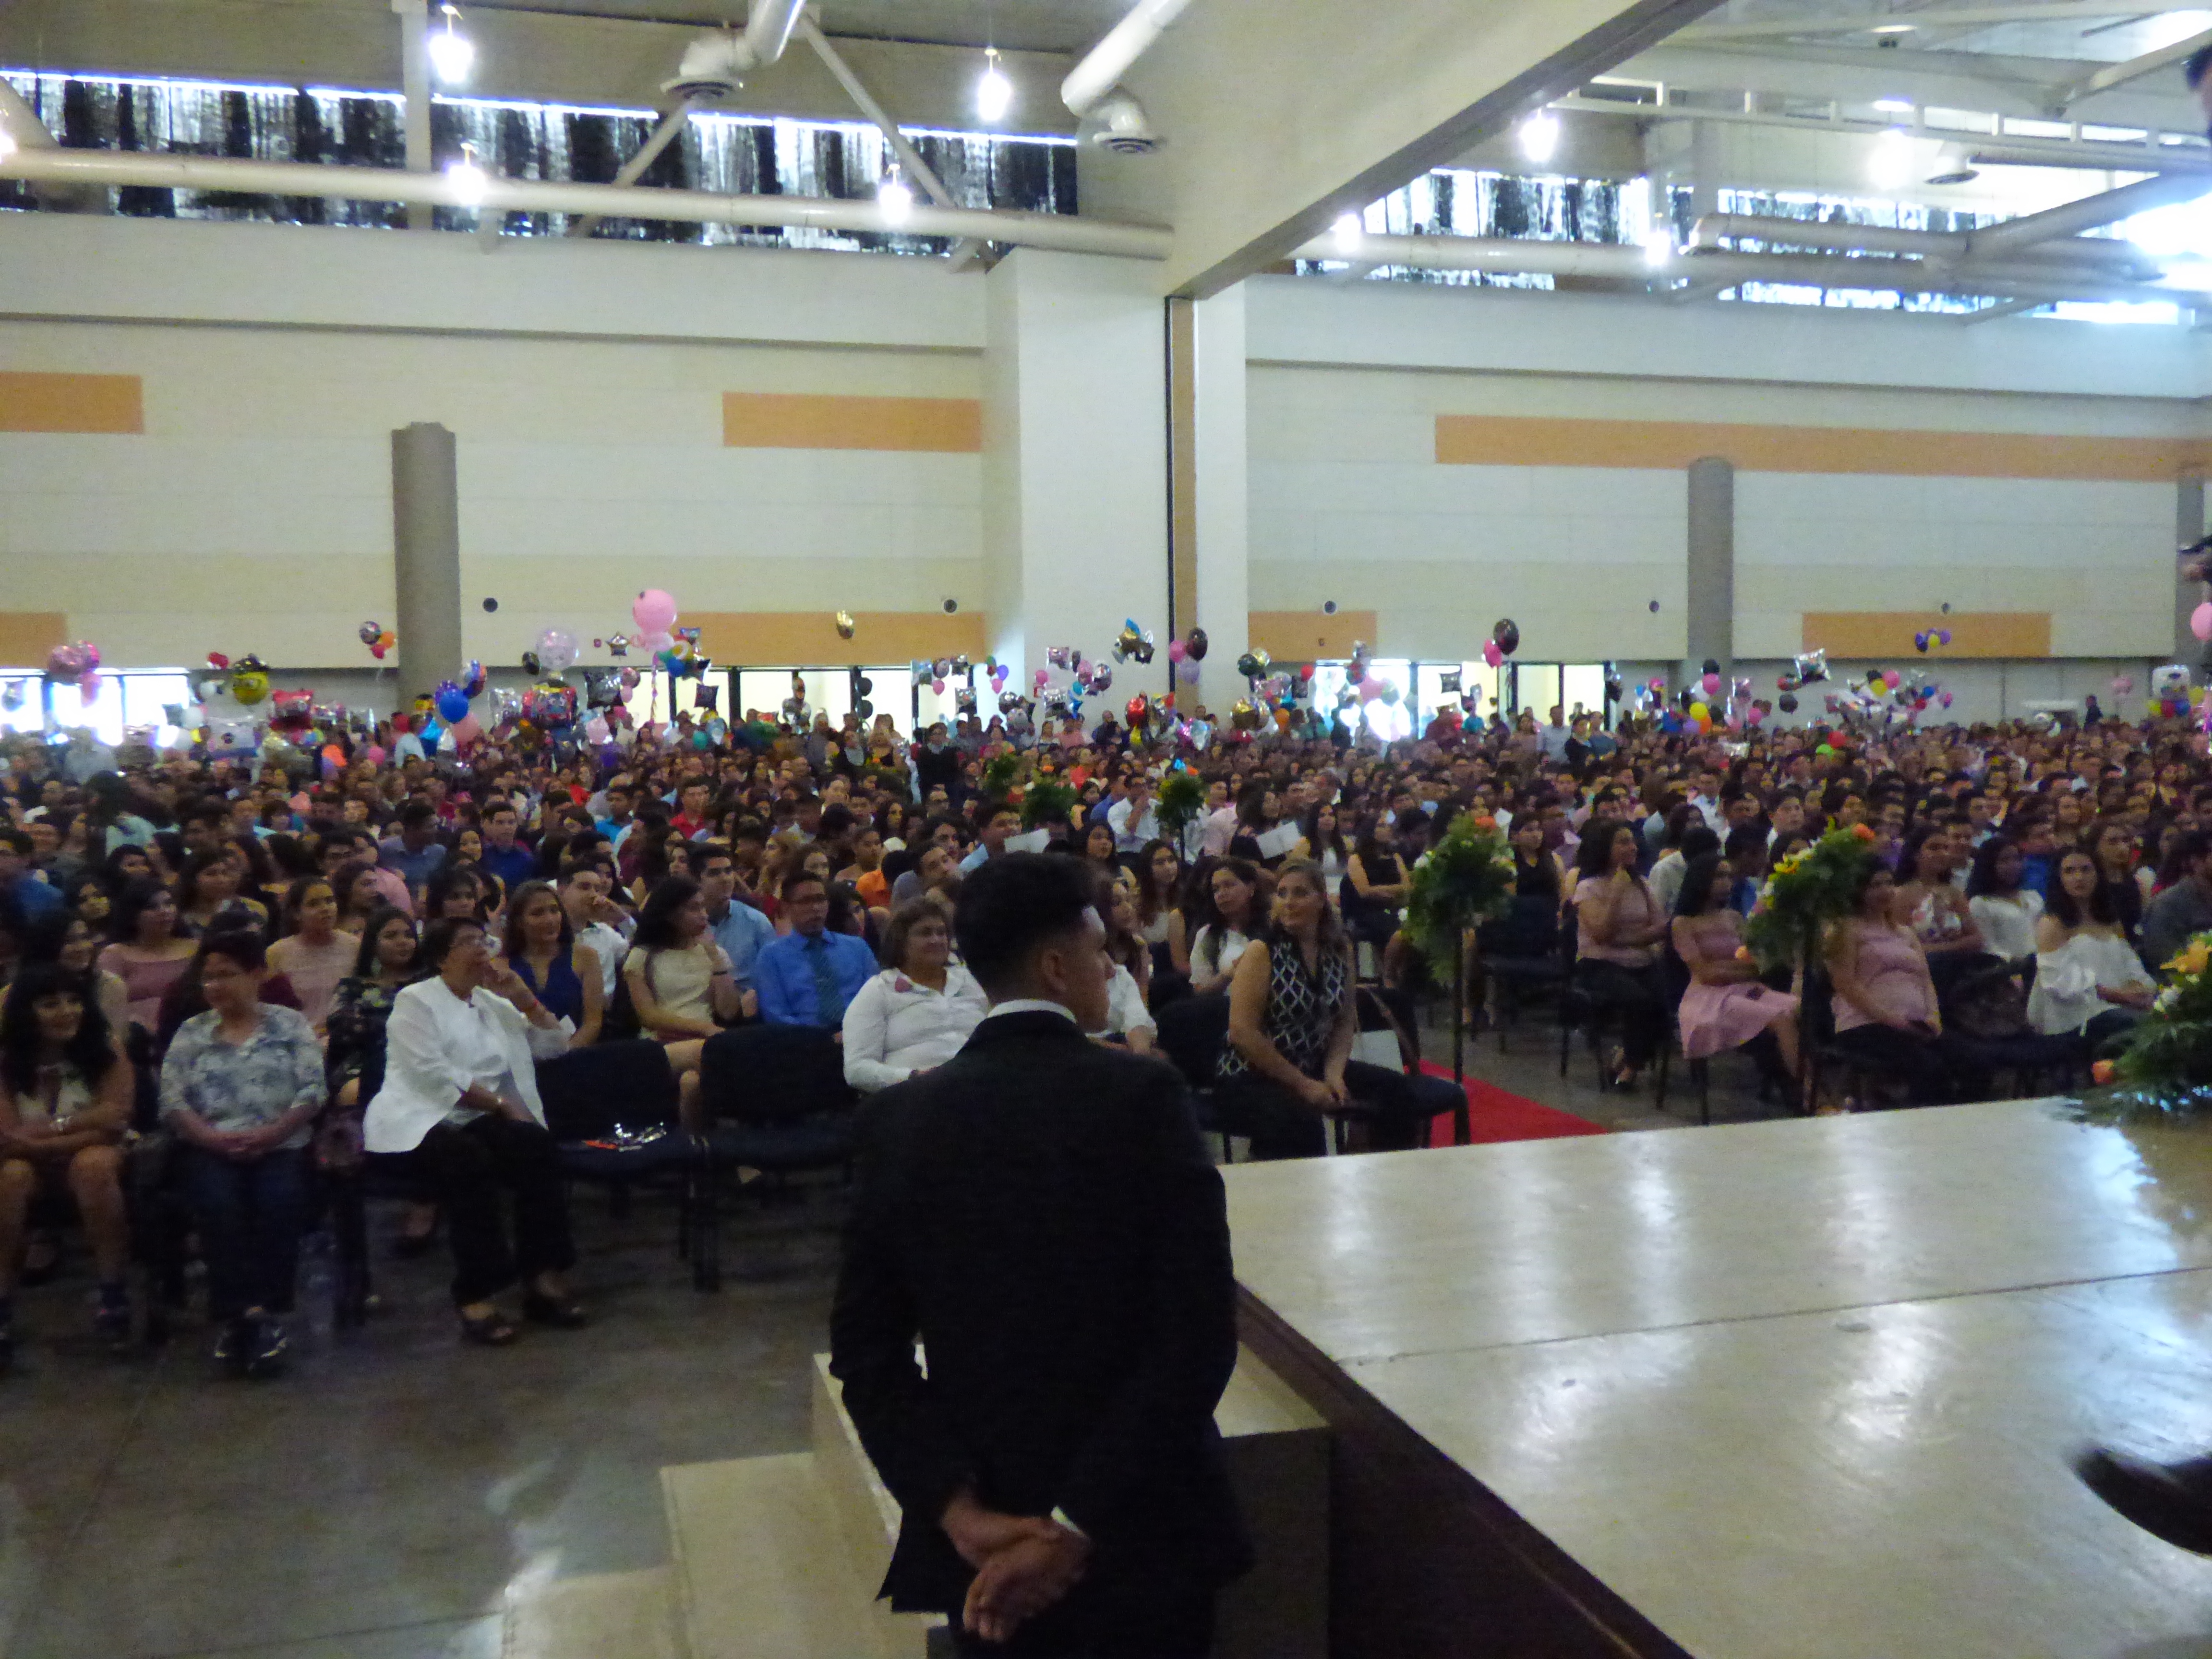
1040 1213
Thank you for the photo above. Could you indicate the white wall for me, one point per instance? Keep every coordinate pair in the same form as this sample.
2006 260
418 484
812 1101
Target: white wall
584 385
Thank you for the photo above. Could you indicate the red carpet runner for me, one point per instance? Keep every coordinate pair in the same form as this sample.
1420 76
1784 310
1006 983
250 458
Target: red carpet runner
1499 1114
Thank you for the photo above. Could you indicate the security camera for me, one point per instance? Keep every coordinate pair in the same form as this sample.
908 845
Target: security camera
1123 127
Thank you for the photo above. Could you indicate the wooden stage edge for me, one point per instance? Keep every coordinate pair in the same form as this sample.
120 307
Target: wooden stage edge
1424 1561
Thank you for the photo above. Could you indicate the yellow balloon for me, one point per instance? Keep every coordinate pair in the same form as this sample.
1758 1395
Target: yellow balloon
249 687
1699 712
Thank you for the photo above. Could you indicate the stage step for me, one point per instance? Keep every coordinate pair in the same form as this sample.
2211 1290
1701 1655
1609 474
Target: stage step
762 1568
610 1615
1278 1452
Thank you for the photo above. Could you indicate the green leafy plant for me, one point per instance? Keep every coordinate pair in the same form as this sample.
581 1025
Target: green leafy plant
2165 1072
1466 879
1810 889
1181 799
1045 803
1001 773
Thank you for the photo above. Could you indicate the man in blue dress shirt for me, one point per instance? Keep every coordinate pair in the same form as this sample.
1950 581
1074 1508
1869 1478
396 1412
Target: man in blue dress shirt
742 931
809 975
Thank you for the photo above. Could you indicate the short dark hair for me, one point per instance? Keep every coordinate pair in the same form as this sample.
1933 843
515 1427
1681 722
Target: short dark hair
1012 905
438 940
2196 65
239 944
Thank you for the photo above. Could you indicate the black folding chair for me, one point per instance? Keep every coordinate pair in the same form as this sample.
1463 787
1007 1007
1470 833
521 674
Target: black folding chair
1193 1031
1520 958
612 1110
776 1101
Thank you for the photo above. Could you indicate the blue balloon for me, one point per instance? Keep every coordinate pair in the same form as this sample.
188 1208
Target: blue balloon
453 706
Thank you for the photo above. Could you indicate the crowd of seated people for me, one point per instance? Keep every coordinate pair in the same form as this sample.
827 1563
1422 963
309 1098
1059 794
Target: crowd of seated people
288 968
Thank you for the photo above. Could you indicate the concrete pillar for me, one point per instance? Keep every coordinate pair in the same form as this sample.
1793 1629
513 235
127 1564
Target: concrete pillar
2188 527
415 84
1075 469
426 556
1711 569
1212 430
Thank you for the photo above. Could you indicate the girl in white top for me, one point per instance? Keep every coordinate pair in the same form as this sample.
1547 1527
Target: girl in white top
1232 917
919 1011
2087 977
2005 911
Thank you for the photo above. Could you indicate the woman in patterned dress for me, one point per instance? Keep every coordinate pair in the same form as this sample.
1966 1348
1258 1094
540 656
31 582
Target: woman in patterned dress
1288 1065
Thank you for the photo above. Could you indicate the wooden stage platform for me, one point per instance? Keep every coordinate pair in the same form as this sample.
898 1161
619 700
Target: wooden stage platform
1794 1390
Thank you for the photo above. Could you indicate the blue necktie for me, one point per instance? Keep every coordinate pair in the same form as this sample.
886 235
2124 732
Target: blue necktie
825 981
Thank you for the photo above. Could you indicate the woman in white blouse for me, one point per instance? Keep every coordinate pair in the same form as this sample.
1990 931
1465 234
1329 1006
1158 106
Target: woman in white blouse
916 1013
2088 976
460 1084
1235 912
2005 911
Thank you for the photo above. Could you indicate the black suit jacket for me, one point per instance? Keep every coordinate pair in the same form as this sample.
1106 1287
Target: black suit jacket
1041 1213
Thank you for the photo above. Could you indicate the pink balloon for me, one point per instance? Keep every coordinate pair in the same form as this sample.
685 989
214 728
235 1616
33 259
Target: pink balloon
1041 679
938 686
1177 650
376 754
2124 683
655 643
1712 684
654 611
1369 689
88 685
2200 620
1493 656
467 731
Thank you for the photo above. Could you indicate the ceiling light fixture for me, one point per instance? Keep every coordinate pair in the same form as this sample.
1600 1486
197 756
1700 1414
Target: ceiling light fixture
1895 28
469 181
6 143
994 94
1659 246
1540 136
895 198
1893 105
1891 166
453 54
1346 232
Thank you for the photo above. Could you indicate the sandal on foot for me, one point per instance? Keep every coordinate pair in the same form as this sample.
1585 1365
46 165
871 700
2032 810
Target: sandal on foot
493 1330
564 1313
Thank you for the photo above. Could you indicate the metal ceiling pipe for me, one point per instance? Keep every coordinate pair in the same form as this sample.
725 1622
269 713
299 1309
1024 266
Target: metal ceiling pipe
2105 254
20 129
2108 207
768 27
1101 69
1066 233
1615 262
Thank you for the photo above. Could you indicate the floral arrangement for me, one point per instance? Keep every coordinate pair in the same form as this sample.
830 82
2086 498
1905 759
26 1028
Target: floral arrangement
1466 878
1001 773
1046 802
1180 801
1811 888
2165 1072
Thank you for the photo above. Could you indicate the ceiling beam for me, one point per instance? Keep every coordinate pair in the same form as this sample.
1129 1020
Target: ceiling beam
1279 117
1945 17
2118 75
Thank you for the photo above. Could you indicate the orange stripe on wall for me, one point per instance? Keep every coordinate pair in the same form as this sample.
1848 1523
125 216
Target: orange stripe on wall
762 420
71 402
808 638
1886 636
1310 635
26 636
1511 440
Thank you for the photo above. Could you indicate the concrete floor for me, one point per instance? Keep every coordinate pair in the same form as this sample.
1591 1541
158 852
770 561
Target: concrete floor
382 1499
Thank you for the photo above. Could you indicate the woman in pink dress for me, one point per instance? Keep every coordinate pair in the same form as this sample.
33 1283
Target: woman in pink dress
1725 1007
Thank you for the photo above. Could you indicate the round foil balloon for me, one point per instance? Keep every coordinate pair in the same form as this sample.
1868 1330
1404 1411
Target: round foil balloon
844 624
557 650
369 632
1507 633
1195 643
